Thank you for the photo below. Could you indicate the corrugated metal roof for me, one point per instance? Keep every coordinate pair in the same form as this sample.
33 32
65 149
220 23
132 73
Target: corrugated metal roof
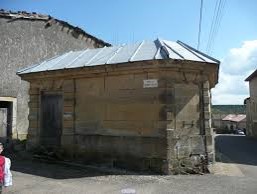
146 50
234 118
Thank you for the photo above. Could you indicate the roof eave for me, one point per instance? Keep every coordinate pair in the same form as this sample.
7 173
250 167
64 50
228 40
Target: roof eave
253 75
22 15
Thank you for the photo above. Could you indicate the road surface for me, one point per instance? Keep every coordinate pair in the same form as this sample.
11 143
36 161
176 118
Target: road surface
241 151
43 178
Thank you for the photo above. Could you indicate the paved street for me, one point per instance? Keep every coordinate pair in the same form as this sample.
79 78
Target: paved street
35 177
240 150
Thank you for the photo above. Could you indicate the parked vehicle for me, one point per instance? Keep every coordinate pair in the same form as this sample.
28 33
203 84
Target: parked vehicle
239 132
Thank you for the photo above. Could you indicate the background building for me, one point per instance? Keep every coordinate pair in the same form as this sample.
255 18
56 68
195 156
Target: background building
235 112
234 122
251 105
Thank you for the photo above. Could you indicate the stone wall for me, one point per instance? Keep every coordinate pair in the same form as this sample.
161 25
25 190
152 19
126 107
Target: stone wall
111 118
253 88
26 42
251 107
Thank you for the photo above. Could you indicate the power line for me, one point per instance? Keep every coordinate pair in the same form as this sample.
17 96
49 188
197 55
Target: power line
216 21
216 30
200 25
213 32
212 25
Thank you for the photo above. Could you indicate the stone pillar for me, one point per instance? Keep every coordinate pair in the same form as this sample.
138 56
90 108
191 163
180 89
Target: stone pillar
68 131
34 118
207 122
172 162
185 143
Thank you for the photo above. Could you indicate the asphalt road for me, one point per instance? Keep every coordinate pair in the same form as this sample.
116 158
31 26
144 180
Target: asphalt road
43 178
114 184
240 150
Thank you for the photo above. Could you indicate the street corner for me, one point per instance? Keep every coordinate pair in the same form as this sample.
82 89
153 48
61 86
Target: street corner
226 169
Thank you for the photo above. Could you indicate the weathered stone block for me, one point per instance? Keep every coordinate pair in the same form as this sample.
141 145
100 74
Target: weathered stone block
209 139
68 131
208 130
206 85
182 151
197 145
173 166
67 140
207 115
68 86
33 131
68 116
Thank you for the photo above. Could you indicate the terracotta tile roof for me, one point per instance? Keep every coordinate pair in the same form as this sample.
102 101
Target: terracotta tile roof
234 118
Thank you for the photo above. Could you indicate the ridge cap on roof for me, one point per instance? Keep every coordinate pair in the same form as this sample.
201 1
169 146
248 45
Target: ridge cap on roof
36 16
162 47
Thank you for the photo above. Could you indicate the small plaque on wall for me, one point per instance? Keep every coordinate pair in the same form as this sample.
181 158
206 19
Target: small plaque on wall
150 83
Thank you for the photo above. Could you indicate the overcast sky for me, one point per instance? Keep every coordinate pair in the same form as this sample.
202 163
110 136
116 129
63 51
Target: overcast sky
124 21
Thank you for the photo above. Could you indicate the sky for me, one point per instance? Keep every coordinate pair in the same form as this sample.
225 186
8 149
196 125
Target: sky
126 21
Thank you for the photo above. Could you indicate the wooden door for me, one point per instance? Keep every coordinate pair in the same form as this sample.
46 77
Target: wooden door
51 119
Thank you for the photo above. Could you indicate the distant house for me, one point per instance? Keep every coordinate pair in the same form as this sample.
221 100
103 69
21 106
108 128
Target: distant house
251 105
232 122
219 112
144 106
26 39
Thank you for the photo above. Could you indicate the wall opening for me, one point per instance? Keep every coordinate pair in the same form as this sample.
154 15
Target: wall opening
6 120
8 113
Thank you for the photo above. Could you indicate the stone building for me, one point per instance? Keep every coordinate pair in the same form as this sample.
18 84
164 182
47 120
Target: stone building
141 106
251 106
26 39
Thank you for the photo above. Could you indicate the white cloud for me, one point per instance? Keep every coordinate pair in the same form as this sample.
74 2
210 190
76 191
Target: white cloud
235 68
241 59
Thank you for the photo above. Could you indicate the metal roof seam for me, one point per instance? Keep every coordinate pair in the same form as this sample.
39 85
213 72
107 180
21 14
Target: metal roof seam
79 56
181 56
191 51
35 65
197 51
61 58
115 53
100 50
138 48
30 67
